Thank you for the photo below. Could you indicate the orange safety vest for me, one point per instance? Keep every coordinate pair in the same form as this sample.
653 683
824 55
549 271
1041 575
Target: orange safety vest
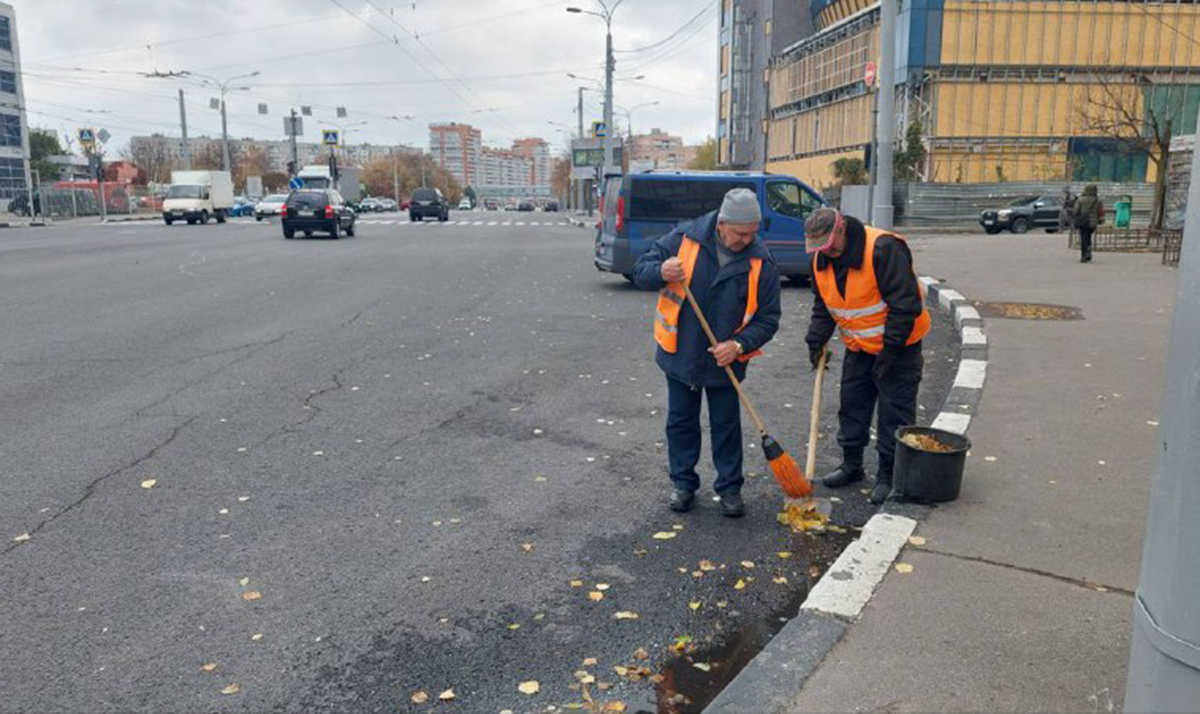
862 313
672 297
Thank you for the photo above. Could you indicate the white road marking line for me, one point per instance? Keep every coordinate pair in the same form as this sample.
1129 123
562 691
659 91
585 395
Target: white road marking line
520 223
477 223
852 579
953 422
534 223
492 223
387 223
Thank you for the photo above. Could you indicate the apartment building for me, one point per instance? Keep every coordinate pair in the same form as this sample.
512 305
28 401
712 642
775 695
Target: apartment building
14 131
458 149
659 150
538 152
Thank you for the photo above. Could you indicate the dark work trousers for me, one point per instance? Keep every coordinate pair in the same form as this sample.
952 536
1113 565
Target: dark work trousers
1085 243
683 435
896 396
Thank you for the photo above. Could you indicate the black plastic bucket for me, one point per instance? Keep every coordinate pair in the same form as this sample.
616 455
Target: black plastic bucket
928 476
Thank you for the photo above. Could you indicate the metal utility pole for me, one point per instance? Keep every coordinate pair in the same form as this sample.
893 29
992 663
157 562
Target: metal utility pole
881 210
224 88
292 133
1164 659
187 150
579 111
606 14
395 181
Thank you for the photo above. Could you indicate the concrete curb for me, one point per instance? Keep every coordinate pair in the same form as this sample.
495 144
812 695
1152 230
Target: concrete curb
581 222
774 678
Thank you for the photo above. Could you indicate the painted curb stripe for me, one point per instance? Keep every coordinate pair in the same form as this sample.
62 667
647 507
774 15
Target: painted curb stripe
971 373
953 422
848 585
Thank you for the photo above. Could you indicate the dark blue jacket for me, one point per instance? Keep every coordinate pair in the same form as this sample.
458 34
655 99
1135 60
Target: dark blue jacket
722 294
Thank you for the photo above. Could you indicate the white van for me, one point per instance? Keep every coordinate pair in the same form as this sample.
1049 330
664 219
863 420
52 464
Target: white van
196 196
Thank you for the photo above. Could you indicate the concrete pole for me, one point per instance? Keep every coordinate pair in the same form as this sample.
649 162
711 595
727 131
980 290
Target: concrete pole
881 211
187 150
579 111
395 181
295 156
1164 659
224 138
874 150
609 65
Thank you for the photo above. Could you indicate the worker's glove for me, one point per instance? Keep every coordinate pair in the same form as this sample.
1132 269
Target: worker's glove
883 365
814 355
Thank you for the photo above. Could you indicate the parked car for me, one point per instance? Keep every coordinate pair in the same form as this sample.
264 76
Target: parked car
1022 214
316 210
387 205
491 204
242 206
428 202
551 207
526 206
406 204
464 205
370 205
637 209
269 206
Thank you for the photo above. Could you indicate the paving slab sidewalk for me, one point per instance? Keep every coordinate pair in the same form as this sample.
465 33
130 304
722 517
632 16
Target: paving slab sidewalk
1021 598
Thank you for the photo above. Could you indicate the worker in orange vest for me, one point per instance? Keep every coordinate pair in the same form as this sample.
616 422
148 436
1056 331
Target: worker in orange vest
865 288
733 277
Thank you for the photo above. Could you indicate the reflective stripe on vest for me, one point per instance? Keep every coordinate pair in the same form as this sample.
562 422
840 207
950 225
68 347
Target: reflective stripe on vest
861 314
672 297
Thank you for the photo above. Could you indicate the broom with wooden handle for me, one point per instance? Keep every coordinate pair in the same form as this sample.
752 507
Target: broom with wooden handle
787 473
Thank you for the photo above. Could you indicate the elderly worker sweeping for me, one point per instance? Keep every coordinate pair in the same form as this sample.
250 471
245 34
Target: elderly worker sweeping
735 283
865 287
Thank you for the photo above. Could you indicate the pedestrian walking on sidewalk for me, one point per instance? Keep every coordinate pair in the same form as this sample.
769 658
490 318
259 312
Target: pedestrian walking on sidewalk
865 287
734 279
1088 210
1066 213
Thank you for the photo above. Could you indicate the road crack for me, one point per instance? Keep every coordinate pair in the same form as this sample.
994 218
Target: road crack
1089 585
90 489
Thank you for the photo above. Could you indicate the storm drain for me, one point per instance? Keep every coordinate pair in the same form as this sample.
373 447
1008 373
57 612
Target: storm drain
1028 311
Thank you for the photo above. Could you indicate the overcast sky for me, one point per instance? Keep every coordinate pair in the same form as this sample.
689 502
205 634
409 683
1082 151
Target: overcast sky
500 65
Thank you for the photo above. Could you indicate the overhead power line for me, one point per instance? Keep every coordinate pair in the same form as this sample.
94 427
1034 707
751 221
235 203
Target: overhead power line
705 7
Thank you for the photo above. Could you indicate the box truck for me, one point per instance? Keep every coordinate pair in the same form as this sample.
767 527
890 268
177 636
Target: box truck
196 196
319 176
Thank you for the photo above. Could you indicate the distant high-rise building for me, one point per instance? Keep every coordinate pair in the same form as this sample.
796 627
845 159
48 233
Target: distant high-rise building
502 167
14 133
659 150
538 153
457 148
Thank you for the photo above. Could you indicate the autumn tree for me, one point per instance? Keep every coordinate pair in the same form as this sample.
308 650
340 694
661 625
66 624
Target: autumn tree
152 158
1138 114
377 176
251 160
560 175
850 171
706 156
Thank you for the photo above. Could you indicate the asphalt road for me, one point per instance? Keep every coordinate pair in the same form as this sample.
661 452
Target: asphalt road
378 464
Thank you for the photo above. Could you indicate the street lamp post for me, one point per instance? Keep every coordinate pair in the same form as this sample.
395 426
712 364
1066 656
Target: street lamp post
606 14
629 115
224 88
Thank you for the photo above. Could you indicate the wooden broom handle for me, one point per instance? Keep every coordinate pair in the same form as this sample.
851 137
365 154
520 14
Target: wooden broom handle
814 419
762 428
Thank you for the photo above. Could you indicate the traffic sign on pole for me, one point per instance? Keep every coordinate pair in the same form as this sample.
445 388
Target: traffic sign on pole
599 129
869 74
329 137
87 136
295 183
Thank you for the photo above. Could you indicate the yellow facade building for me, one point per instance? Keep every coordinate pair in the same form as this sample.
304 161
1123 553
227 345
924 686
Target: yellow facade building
1003 90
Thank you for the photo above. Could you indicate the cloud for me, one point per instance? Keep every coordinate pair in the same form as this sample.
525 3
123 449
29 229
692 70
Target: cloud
498 65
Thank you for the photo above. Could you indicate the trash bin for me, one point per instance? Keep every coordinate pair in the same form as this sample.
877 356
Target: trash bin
1124 210
929 475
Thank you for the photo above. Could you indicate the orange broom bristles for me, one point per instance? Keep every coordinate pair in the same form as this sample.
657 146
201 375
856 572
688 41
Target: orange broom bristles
787 472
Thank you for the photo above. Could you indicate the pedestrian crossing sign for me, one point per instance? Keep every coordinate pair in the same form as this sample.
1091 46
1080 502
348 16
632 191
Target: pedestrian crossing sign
329 137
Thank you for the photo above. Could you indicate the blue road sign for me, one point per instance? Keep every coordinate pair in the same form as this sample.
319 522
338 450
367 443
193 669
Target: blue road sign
296 183
329 137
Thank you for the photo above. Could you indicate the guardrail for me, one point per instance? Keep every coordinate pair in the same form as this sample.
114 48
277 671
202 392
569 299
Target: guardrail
1172 247
1124 240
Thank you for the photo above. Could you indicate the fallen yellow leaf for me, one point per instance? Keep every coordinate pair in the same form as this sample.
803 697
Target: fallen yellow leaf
781 580
741 584
614 707
209 666
641 653
694 604
621 671
446 695
677 527
916 540
231 689
419 697
595 596
252 595
784 554
21 538
747 563
530 687
665 535
589 661
576 583
903 568
707 565
702 666
602 586
626 615
514 626
149 483
256 636
243 581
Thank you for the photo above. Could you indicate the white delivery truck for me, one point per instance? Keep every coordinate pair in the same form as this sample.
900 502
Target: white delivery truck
196 196
319 176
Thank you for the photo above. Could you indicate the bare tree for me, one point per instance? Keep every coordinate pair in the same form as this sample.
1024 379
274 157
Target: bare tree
1121 107
152 158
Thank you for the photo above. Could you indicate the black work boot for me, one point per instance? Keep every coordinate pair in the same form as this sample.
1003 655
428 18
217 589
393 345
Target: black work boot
732 505
682 501
844 475
883 489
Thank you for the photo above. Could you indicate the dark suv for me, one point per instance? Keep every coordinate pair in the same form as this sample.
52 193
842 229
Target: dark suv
316 210
428 202
1022 214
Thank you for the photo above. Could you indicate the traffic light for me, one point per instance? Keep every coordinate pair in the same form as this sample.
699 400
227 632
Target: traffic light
291 168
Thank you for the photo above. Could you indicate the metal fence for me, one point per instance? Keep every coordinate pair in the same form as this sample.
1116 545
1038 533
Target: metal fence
933 204
1132 240
63 200
1172 247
